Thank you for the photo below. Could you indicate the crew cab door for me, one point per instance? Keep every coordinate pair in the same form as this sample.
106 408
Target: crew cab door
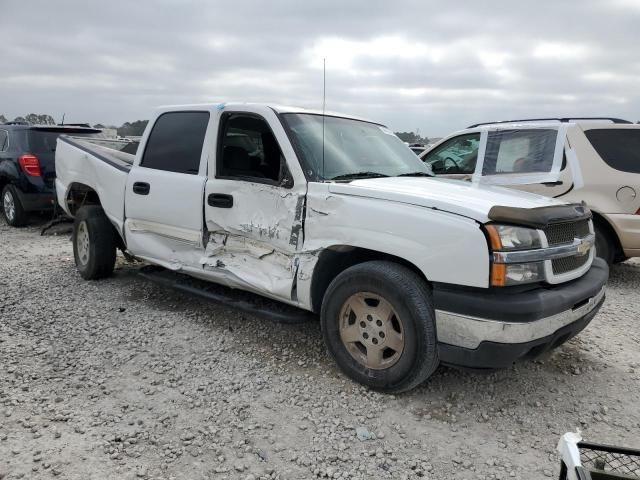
531 158
163 198
254 204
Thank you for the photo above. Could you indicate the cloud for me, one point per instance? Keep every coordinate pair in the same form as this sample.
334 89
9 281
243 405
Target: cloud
413 64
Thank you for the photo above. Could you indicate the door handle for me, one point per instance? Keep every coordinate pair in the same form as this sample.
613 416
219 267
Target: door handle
220 200
141 188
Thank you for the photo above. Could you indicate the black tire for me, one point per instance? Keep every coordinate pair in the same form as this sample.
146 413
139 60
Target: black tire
99 258
605 245
410 297
12 209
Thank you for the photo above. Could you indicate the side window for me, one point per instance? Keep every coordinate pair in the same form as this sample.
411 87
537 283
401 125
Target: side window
4 140
619 148
457 155
175 142
519 151
248 150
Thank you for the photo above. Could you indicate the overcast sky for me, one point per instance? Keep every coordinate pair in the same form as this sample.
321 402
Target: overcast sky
436 66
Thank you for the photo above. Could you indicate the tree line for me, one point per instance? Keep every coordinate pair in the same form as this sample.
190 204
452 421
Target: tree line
127 129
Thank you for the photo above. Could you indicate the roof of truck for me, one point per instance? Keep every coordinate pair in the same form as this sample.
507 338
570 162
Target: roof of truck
272 106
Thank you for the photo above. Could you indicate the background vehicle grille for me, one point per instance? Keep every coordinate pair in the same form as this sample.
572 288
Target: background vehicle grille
568 264
560 233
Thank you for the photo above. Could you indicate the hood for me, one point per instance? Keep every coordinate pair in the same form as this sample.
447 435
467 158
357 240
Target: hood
454 196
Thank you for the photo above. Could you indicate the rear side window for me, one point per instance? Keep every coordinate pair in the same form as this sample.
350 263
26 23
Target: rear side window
619 148
175 142
4 140
519 151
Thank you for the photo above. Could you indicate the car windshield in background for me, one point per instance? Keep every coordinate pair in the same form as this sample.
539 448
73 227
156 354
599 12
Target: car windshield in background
520 151
619 148
352 149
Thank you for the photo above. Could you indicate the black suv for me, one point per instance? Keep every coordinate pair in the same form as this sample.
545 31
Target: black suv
27 168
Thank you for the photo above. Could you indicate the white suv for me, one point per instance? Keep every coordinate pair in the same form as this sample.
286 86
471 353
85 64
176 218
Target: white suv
595 160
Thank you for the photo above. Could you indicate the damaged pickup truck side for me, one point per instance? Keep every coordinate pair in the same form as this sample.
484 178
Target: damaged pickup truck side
335 215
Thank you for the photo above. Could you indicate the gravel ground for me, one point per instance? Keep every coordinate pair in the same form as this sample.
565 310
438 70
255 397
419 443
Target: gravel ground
124 379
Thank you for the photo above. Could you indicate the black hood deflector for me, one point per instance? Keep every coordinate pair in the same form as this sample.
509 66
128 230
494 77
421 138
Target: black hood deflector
540 217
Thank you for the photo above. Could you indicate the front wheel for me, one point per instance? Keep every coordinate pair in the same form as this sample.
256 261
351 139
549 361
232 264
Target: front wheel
378 323
94 243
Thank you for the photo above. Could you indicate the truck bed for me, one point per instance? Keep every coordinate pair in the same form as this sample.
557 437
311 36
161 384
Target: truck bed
102 169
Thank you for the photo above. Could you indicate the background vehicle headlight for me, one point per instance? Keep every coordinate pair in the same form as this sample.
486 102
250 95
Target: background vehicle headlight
507 237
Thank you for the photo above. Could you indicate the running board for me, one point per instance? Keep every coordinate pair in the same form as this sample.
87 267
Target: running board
240 300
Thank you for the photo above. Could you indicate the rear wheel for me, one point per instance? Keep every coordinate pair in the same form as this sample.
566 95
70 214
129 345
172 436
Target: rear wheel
378 323
12 208
94 243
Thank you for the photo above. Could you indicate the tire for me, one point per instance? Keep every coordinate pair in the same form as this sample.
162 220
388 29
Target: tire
354 308
12 208
605 245
94 243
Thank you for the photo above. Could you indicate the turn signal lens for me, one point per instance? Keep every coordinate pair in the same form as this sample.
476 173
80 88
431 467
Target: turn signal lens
498 274
30 165
494 237
505 274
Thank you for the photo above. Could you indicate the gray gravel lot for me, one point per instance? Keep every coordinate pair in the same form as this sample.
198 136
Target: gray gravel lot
124 379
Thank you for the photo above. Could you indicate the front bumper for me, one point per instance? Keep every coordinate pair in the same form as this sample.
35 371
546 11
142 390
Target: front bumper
493 329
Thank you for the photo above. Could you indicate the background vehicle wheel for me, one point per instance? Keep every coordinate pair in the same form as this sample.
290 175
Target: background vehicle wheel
605 245
378 323
94 243
12 208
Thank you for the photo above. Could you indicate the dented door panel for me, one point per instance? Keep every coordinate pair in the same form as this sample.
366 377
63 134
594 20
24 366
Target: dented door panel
255 239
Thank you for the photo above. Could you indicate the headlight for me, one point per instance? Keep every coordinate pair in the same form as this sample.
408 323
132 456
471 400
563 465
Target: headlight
505 274
507 238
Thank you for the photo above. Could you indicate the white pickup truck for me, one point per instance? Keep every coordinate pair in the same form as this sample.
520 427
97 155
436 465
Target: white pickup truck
335 215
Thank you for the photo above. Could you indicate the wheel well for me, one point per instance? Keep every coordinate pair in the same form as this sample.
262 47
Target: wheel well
80 195
603 223
334 260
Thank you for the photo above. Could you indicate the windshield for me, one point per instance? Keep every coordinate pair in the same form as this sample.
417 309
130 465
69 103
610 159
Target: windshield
352 149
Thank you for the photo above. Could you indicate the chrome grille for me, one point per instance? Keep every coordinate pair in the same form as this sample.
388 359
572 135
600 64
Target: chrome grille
560 233
568 264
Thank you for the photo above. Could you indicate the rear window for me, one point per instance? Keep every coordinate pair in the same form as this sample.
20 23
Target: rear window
619 148
175 142
44 141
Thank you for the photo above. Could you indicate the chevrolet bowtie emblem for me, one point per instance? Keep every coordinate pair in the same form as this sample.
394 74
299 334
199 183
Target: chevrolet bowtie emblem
583 248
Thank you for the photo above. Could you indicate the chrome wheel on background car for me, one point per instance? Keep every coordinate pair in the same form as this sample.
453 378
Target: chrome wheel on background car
371 330
12 208
82 243
9 206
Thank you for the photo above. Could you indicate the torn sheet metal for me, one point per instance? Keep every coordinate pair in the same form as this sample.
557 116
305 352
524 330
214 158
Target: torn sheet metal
256 263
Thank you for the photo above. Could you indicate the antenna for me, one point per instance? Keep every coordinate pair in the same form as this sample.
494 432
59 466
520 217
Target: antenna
324 102
63 118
